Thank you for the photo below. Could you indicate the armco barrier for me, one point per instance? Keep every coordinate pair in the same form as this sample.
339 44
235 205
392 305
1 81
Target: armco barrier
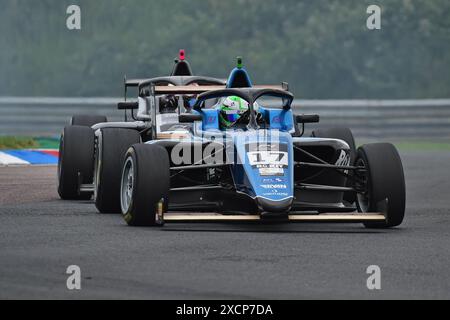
368 118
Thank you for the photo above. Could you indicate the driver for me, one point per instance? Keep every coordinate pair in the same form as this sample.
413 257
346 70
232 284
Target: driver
168 104
231 109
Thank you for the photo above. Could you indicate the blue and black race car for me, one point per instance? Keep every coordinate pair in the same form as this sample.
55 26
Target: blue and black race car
238 153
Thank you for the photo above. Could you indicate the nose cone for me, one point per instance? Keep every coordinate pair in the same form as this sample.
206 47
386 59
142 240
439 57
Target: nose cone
271 206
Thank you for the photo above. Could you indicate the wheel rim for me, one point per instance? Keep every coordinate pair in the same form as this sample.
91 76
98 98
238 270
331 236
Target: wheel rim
127 185
97 168
362 198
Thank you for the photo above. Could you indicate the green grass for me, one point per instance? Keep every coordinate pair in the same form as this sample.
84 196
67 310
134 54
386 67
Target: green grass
17 143
14 143
47 143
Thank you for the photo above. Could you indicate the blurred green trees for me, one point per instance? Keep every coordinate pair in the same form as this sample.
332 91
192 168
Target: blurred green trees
322 47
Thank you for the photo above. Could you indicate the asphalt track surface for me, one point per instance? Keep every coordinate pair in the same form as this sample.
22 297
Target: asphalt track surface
40 236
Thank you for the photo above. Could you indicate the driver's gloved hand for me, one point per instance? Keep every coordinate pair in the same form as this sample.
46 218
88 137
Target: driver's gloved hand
189 102
259 118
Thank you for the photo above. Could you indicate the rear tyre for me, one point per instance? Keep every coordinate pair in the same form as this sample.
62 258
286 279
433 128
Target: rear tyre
384 184
346 135
76 159
145 185
87 120
112 145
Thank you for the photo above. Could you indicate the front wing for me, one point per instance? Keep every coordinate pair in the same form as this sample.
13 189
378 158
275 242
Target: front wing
300 218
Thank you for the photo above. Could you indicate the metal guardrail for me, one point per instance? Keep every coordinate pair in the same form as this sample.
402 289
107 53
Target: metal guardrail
384 118
367 118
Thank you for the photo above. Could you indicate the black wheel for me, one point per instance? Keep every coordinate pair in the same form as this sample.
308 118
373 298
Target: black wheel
145 185
87 120
112 145
382 183
346 135
76 157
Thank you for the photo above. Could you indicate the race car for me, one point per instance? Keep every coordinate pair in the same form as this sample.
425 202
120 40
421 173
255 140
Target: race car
240 155
91 149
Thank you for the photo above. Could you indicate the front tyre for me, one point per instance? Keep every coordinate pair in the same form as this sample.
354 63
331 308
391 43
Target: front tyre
145 185
382 183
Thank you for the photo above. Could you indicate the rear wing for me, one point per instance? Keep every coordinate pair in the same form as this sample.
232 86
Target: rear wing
174 81
160 90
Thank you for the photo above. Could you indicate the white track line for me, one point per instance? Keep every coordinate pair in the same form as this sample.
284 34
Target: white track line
8 160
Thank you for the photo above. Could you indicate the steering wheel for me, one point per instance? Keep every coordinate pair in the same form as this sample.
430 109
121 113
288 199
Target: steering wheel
245 118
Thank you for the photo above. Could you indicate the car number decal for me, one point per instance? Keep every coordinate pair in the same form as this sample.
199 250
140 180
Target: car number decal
269 159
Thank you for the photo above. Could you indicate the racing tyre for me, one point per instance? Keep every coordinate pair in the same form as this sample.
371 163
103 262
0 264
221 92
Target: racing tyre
112 145
384 183
76 160
145 185
346 135
87 121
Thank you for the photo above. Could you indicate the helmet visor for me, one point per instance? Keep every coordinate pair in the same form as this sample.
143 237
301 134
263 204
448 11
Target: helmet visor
232 116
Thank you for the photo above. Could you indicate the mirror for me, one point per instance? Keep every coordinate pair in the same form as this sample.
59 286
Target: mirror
308 118
190 117
128 105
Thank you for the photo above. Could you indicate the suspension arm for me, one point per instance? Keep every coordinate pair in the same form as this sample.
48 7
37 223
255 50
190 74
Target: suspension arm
328 166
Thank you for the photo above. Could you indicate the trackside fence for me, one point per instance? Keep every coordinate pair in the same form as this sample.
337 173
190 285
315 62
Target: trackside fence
389 119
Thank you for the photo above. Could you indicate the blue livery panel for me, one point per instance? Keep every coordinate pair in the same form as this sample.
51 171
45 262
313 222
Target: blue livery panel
278 119
264 168
210 119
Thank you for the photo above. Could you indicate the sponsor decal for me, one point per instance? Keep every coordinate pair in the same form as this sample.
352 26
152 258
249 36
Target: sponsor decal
211 119
271 171
274 189
274 186
276 120
275 193
273 180
344 159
